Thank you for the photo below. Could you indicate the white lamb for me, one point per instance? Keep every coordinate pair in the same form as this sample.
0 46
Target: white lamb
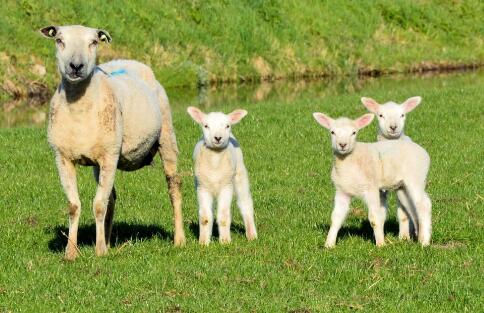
362 169
112 116
219 168
391 122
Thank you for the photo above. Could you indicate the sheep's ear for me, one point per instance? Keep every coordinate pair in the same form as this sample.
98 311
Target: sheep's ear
323 120
364 120
49 31
103 35
370 104
411 103
197 115
236 116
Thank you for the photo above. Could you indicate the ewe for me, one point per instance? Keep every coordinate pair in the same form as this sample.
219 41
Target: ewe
112 116
391 122
362 169
219 168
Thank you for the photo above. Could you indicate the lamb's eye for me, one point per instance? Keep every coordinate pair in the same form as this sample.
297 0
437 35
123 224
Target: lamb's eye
332 132
403 115
381 115
206 126
354 133
228 126
59 41
94 43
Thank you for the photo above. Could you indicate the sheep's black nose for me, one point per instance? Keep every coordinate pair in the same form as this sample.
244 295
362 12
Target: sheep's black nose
218 138
342 145
393 128
76 67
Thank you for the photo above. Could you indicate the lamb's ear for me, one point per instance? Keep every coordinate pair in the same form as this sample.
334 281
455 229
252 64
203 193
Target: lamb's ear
411 103
370 104
197 115
103 36
323 120
364 120
49 31
236 116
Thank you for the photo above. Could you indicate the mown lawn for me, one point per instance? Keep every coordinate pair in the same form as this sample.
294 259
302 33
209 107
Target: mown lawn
286 270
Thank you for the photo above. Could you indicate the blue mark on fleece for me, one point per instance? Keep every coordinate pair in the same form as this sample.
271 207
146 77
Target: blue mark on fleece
118 72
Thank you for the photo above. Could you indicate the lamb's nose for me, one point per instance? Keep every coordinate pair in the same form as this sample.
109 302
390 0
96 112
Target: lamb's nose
393 127
342 145
76 67
218 138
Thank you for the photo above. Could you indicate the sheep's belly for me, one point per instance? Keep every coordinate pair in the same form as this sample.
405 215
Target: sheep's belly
135 156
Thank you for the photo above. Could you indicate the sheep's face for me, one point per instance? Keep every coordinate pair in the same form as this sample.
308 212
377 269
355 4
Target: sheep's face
216 126
343 131
391 116
76 48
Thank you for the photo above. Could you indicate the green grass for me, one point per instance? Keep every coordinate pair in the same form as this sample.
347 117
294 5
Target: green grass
286 270
196 42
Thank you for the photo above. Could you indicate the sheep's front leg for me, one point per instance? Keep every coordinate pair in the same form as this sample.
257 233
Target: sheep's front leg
340 211
376 215
224 218
108 221
244 202
67 173
100 205
406 219
205 216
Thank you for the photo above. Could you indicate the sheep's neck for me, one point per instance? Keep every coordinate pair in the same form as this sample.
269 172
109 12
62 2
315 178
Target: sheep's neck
75 91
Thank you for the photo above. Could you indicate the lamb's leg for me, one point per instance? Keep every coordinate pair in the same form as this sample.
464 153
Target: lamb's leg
406 219
100 204
423 208
67 173
108 221
244 201
205 216
224 201
376 215
169 154
340 211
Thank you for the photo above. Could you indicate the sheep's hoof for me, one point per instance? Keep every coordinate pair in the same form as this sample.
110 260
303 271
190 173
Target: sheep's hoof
251 237
71 254
225 241
329 245
101 251
380 244
179 240
404 236
204 242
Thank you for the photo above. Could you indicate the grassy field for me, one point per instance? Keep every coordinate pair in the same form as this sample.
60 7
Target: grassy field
286 270
197 42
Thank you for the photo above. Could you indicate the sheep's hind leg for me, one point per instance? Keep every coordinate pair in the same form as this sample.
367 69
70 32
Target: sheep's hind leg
406 218
108 221
340 211
244 202
100 206
377 216
67 173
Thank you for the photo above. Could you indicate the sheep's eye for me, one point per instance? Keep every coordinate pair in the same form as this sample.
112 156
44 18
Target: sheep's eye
381 115
228 126
332 132
94 43
354 133
206 126
58 41
403 115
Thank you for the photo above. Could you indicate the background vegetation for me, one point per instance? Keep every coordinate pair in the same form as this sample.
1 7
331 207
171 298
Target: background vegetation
199 42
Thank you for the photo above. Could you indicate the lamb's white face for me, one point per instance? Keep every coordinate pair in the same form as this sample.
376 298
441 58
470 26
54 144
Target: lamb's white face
391 116
343 131
216 126
76 48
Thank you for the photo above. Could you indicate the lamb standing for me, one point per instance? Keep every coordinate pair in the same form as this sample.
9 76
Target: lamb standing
112 116
219 168
391 122
362 169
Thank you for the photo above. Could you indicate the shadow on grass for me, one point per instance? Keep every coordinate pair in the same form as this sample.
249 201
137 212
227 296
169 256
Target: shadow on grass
364 230
234 228
122 232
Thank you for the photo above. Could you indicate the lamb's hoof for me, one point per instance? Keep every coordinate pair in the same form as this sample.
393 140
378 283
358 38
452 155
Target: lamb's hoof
71 254
204 242
404 236
179 240
329 245
251 237
225 240
380 244
101 251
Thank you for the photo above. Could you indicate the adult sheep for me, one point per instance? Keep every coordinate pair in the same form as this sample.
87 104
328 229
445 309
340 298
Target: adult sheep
112 116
